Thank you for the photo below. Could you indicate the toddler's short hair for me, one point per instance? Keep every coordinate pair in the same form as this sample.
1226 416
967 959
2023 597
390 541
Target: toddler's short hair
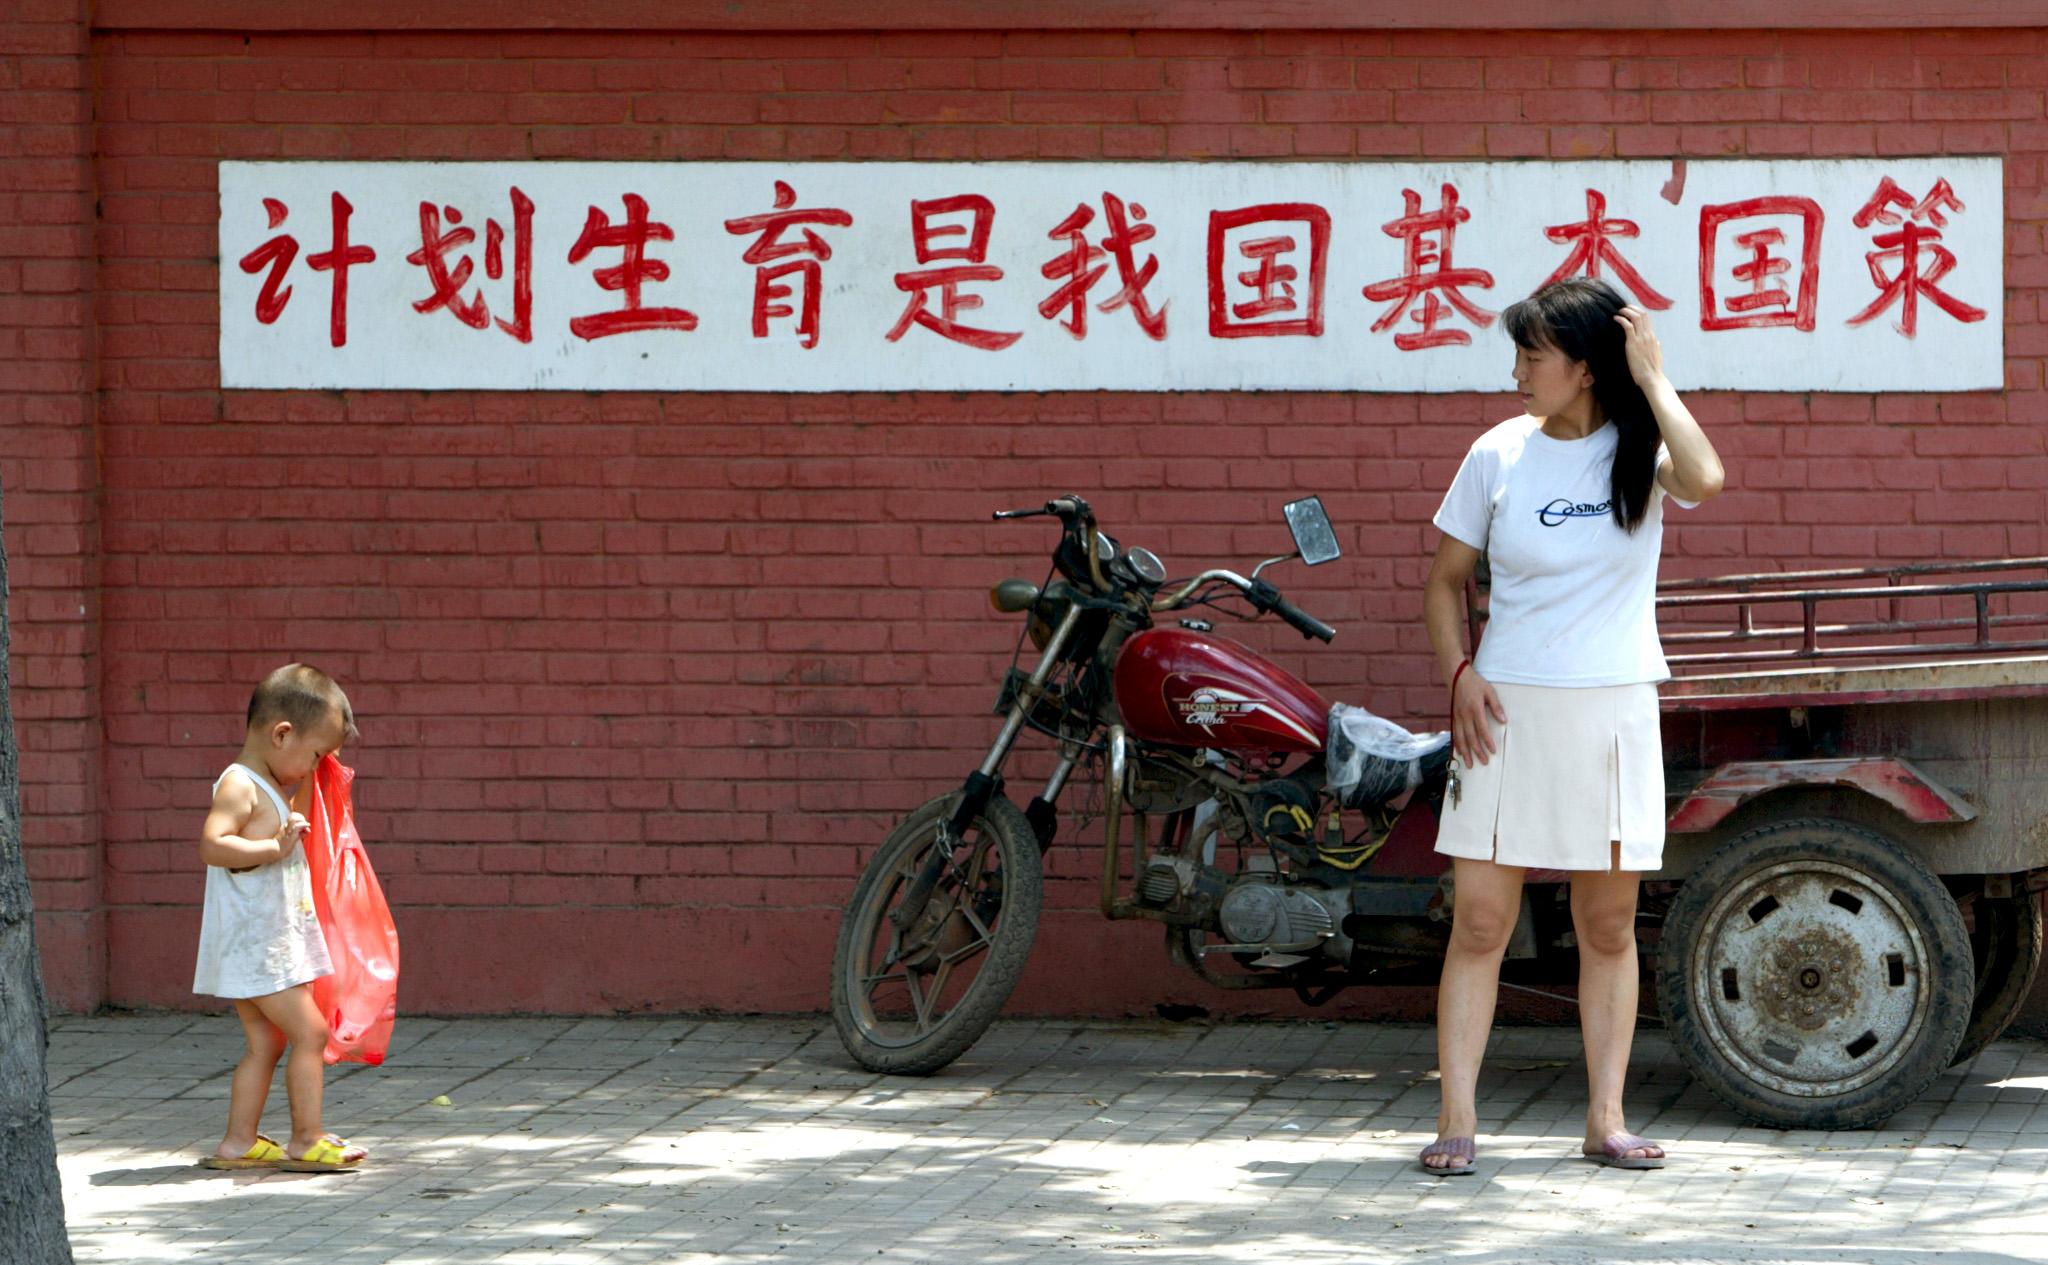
302 694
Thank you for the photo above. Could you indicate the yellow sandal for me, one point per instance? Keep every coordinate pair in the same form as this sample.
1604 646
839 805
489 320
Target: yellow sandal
329 1155
265 1154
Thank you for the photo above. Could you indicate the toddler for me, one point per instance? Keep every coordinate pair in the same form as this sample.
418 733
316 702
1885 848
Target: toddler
259 941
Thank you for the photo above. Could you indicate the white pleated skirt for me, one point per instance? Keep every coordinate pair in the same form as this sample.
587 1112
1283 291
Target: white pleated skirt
1573 772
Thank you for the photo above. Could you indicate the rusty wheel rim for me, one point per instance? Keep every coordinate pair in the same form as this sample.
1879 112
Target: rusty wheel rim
1811 979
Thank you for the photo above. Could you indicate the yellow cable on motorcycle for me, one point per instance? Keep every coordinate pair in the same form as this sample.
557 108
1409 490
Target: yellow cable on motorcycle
1365 851
1291 815
1351 856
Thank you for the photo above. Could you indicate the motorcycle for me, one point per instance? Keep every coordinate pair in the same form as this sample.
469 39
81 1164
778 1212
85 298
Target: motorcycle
1232 754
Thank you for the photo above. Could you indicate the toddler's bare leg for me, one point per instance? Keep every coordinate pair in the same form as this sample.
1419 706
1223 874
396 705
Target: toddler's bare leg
251 1083
304 1071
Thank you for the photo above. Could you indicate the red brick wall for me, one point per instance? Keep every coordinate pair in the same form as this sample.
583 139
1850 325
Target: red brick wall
47 438
642 676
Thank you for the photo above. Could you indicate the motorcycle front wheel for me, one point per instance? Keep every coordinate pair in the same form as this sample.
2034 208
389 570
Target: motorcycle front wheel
909 1001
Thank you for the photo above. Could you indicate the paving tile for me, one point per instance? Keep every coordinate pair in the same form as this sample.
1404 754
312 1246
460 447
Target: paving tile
753 1140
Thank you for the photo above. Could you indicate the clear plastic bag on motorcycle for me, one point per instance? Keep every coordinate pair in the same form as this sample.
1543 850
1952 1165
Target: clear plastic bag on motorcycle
1372 760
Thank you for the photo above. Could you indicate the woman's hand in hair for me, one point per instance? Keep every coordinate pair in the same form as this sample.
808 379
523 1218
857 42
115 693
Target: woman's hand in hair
1693 471
1639 342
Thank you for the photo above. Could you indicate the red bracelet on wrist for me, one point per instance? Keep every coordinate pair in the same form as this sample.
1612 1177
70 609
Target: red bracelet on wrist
1462 665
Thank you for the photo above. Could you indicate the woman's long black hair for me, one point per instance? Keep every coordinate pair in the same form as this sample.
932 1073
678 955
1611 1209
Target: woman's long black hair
1576 317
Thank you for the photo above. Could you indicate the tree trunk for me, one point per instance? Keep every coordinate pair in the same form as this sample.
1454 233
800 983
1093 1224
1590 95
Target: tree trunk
31 1198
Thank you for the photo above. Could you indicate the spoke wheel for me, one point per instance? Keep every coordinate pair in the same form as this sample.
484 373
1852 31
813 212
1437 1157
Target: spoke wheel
908 1000
1819 976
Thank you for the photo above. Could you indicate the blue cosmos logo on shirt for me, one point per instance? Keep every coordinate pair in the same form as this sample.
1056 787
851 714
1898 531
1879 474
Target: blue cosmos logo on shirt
1564 508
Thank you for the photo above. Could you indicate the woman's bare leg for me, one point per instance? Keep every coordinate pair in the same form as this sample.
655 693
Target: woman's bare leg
1488 901
1604 916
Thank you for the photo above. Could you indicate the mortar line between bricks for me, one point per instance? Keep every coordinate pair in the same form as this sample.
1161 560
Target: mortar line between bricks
994 1088
56 1085
575 1094
451 1090
139 1105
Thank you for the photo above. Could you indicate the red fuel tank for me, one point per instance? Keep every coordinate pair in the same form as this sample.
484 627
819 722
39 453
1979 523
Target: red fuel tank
1193 689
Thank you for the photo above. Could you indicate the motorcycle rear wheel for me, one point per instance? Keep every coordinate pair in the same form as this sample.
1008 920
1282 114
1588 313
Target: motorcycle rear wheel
908 1003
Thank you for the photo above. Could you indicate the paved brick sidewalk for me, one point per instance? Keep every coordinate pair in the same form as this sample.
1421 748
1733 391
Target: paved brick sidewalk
755 1140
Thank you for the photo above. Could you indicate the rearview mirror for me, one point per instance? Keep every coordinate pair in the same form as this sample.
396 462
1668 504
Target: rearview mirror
1313 537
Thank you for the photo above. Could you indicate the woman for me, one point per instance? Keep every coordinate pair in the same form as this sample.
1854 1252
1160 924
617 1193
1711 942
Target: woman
1558 761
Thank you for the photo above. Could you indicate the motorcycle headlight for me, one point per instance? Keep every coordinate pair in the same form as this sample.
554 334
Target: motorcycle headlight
1011 596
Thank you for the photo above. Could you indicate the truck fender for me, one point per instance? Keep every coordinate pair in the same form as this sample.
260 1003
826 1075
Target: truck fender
1915 795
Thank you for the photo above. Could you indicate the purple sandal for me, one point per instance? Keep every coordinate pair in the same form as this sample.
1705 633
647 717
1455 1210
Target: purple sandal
1461 1150
1614 1152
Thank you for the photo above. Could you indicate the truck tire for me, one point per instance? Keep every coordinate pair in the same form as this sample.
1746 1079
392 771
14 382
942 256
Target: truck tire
2005 942
1817 977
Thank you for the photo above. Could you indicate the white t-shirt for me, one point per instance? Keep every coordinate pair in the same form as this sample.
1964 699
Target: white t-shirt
1574 596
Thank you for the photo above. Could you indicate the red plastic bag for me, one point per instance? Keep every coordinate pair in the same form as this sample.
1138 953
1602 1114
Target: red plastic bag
360 1000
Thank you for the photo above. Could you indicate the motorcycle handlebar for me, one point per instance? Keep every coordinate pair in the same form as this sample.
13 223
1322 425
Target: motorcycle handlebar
1303 622
1263 597
1267 598
1064 507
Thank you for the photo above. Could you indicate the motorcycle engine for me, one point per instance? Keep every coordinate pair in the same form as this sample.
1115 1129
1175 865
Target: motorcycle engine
1263 910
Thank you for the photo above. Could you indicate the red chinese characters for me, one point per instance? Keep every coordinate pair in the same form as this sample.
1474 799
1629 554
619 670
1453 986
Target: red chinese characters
1081 267
1761 299
768 248
1426 269
1273 307
277 255
466 260
436 246
339 258
918 285
1592 250
1918 230
633 270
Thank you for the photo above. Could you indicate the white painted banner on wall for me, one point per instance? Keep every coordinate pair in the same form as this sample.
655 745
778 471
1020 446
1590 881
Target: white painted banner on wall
1863 275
